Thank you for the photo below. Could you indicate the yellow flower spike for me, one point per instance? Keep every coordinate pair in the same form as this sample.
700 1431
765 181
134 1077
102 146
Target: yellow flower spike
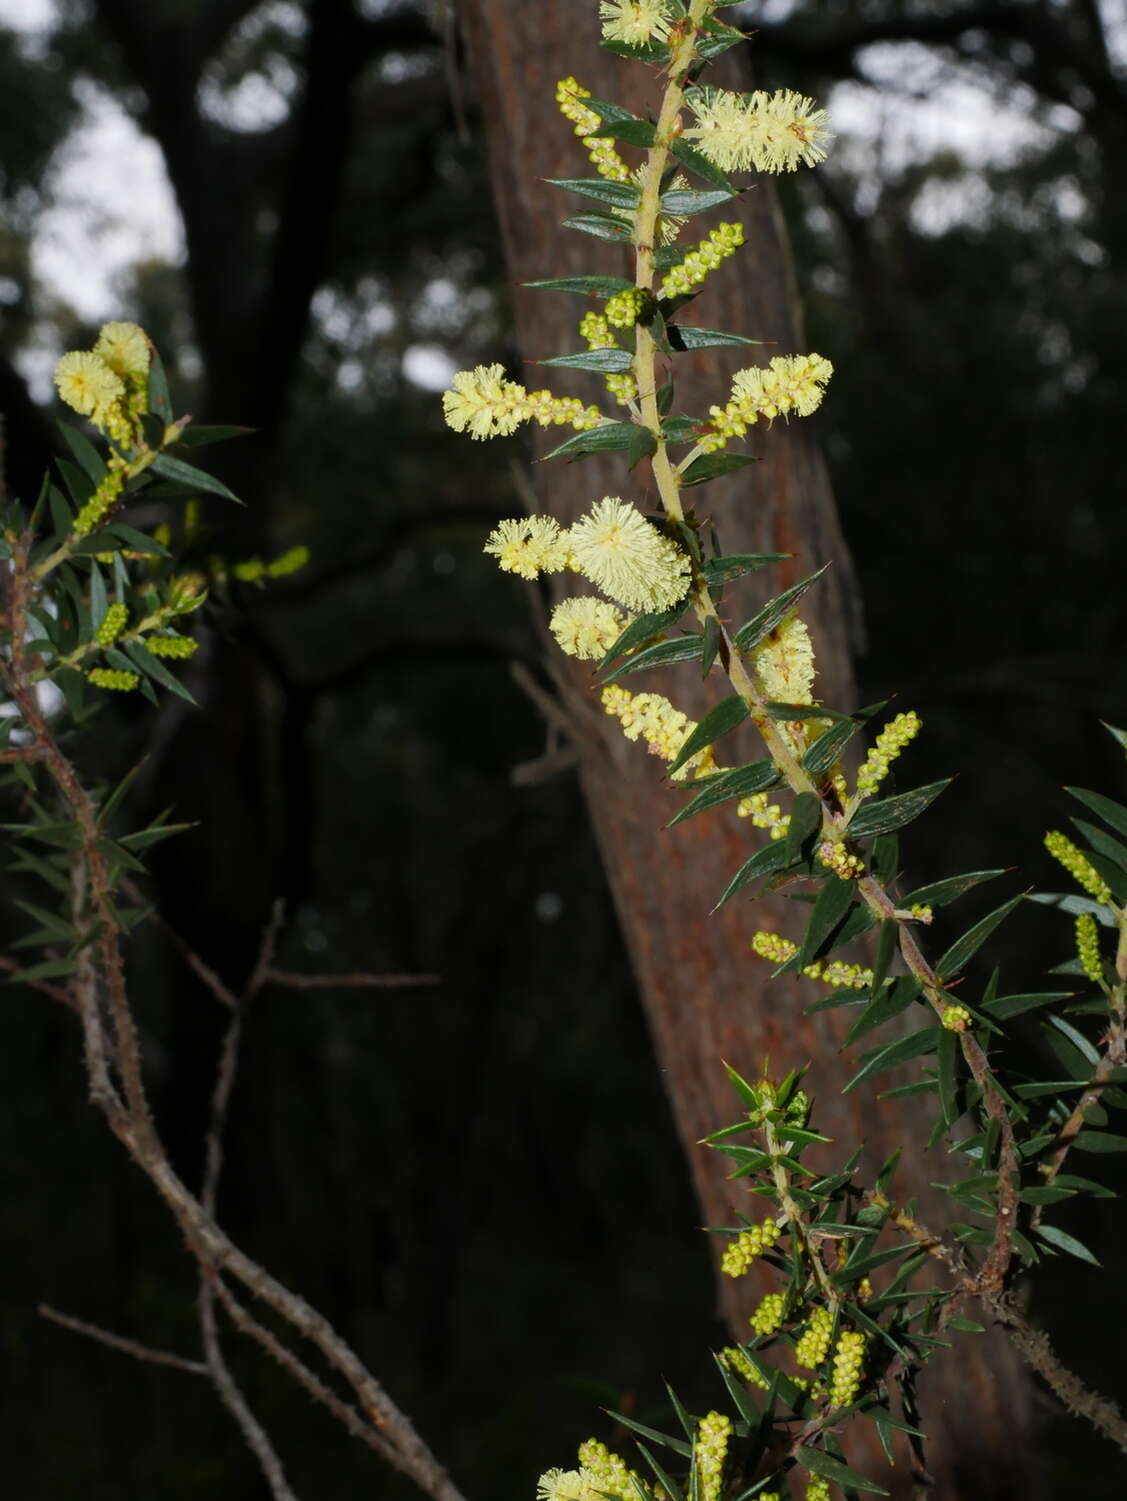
777 132
111 677
834 854
814 1343
790 383
735 1360
849 1358
172 646
784 663
628 558
710 1452
112 626
1079 867
1088 948
722 242
483 403
610 1472
652 718
601 152
898 733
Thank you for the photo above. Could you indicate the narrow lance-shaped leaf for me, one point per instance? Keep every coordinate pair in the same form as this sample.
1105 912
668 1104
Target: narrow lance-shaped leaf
834 901
618 194
743 781
602 226
719 720
964 948
1112 813
767 861
774 612
603 361
894 812
682 649
920 1043
683 336
714 466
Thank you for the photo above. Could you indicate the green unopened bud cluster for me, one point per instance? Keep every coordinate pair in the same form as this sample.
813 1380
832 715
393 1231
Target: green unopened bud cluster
749 1244
172 646
956 1018
736 1361
836 855
770 1314
849 1358
610 1472
710 1451
112 677
1088 947
814 1343
818 1489
624 309
888 745
722 242
600 149
1079 867
112 624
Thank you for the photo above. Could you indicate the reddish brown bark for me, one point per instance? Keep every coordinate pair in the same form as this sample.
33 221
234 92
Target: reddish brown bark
704 995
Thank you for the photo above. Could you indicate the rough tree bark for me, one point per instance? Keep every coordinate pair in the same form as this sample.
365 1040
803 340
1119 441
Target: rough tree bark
704 995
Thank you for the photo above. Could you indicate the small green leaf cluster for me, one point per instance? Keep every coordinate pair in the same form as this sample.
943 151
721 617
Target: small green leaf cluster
95 603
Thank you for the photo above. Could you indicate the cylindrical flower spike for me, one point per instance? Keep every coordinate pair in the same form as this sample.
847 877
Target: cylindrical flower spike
814 1344
1079 867
777 132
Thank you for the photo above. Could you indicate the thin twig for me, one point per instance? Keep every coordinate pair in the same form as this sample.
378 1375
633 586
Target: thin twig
119 1342
256 1437
346 1415
295 981
56 992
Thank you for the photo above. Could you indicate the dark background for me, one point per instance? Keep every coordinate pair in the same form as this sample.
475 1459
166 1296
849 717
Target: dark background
479 1179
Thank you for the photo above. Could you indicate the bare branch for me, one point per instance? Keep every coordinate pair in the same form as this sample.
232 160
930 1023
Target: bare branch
346 1415
119 1342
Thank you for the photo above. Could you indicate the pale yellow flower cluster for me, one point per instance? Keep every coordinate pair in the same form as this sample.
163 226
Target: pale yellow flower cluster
784 663
613 545
529 547
763 132
791 383
764 814
486 405
628 558
652 718
97 382
567 1485
586 627
635 22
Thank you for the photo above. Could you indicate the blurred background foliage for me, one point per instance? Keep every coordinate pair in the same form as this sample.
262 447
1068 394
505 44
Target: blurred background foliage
479 1178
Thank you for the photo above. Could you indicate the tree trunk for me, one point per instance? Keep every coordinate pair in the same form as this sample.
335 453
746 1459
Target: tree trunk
704 994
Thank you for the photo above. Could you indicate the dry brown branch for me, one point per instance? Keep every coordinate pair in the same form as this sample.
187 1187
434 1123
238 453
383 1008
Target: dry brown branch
119 1342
